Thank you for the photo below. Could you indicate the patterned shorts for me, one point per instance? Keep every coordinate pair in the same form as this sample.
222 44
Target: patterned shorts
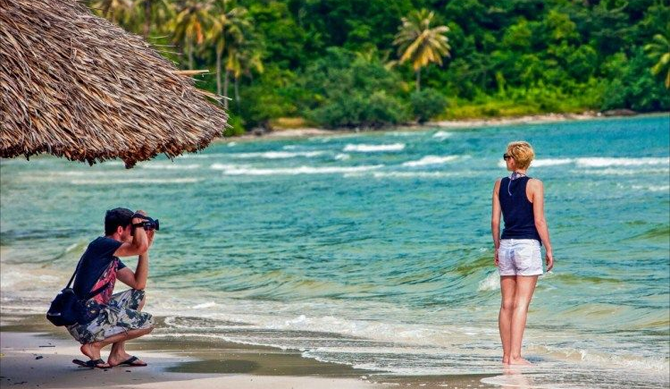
118 316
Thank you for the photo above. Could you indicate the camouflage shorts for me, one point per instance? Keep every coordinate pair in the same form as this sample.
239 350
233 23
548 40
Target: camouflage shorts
118 316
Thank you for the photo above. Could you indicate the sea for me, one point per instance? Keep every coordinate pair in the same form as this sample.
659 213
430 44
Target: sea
374 249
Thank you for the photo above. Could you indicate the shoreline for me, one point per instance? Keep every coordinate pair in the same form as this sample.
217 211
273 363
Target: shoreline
36 354
293 133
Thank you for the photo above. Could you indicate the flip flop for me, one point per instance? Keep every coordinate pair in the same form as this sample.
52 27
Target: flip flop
91 364
131 362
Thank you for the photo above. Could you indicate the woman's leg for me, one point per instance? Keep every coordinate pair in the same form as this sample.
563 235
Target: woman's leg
525 286
507 290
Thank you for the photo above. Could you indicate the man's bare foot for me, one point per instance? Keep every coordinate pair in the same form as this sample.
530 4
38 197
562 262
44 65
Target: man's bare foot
92 351
117 359
519 361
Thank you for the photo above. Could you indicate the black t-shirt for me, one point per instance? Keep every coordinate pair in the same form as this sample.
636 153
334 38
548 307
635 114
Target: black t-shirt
97 257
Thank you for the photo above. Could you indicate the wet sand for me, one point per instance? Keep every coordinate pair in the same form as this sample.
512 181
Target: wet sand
35 354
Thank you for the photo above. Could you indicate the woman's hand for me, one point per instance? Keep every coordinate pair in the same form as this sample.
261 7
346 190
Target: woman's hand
549 256
496 261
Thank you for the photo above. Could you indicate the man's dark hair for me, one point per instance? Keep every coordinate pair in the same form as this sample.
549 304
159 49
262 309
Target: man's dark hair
117 217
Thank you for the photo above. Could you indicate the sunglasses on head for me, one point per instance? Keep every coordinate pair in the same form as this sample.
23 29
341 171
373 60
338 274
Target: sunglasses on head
506 156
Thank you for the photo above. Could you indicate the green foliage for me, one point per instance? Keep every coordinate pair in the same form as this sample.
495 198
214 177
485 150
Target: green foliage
237 126
335 62
427 104
346 90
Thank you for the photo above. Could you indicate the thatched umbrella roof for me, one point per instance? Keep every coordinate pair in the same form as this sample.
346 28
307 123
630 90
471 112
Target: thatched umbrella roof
76 86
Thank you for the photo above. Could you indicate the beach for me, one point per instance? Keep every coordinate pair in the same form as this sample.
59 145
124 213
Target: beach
366 255
34 354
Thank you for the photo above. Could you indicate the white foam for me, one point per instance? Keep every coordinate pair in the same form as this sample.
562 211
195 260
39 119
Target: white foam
431 160
549 162
443 135
232 144
623 172
413 174
491 282
278 154
608 162
208 304
653 188
374 148
342 157
168 166
237 171
136 181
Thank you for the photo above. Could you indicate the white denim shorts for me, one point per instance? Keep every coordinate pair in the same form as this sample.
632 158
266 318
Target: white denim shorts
519 257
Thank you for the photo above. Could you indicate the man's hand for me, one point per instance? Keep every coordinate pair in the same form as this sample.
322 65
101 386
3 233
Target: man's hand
137 219
550 260
150 236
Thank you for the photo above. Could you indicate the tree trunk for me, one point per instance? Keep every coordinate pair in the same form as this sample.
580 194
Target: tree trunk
418 80
218 73
225 88
190 55
147 18
237 91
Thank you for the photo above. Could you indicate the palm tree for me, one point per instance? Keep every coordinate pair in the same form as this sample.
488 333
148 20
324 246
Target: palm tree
228 29
113 10
659 51
242 60
152 11
189 24
420 44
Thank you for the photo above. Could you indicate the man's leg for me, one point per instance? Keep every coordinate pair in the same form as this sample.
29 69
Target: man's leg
525 286
118 353
507 290
92 350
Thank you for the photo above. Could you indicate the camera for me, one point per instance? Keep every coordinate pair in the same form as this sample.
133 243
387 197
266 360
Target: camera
148 223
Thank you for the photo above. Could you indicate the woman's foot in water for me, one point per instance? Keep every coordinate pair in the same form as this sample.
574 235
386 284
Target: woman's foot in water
518 361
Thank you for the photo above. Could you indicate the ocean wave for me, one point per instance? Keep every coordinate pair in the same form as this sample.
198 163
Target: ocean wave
431 160
491 282
414 174
653 188
342 157
608 162
248 171
277 154
549 162
168 166
137 181
443 135
622 172
374 148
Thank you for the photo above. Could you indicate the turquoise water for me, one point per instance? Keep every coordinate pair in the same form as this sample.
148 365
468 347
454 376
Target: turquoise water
374 249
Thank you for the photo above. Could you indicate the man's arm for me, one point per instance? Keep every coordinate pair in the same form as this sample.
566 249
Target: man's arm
495 220
140 242
138 279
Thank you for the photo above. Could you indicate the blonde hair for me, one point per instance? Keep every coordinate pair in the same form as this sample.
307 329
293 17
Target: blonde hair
522 152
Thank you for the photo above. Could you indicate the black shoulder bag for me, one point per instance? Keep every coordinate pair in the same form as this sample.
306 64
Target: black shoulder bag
67 308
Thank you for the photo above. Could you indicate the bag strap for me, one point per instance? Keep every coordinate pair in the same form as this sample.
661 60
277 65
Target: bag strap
74 274
97 291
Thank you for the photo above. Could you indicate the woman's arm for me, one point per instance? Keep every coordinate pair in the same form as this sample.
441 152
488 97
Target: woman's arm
537 194
495 221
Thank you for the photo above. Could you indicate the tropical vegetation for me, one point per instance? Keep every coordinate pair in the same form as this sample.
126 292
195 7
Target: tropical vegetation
371 63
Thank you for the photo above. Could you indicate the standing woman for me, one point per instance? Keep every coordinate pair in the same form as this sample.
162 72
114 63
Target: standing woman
518 255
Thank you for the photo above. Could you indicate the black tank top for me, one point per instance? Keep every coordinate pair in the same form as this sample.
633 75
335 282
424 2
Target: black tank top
517 210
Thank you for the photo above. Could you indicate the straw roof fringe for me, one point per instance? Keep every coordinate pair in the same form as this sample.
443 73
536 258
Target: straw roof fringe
77 86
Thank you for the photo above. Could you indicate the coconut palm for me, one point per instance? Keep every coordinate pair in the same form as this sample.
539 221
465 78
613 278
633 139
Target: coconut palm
242 60
228 29
659 51
420 44
113 10
152 11
190 23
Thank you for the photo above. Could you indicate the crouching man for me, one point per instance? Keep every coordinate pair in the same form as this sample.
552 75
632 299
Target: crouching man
115 318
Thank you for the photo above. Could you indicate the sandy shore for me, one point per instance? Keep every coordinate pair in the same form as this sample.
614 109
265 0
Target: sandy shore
35 354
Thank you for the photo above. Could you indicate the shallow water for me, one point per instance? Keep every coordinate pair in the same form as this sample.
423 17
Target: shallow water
374 250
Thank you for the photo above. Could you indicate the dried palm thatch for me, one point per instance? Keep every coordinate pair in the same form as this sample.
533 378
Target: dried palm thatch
76 86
